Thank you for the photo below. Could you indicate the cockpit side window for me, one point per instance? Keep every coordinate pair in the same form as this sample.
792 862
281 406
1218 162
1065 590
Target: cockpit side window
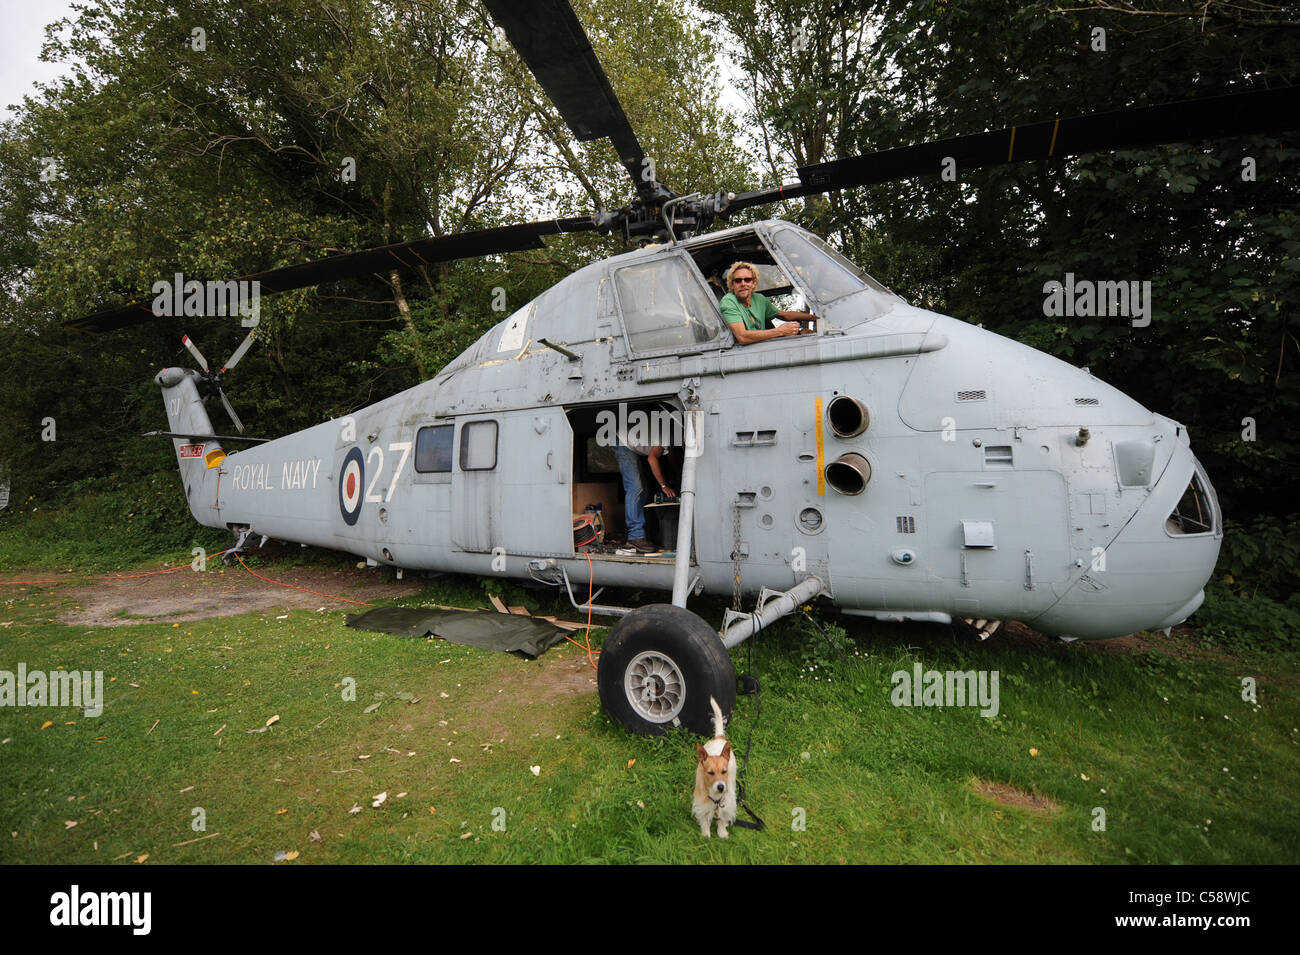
1197 511
823 271
665 306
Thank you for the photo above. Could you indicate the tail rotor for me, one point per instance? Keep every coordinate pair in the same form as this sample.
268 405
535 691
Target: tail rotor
213 378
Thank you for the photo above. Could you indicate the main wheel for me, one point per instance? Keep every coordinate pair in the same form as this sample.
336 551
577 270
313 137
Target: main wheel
658 669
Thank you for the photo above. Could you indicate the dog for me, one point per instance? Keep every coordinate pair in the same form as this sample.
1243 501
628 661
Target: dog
715 779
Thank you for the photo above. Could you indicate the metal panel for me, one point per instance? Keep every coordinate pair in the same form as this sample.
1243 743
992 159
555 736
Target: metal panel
1032 557
978 534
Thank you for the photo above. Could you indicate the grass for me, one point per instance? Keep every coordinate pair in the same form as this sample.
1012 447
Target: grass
1184 769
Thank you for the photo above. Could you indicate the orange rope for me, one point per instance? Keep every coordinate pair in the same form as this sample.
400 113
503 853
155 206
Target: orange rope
360 603
149 573
591 581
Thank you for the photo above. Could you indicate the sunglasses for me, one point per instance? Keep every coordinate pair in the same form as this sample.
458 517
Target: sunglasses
736 279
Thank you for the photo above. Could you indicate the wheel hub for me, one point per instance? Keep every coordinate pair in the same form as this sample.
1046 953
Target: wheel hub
655 686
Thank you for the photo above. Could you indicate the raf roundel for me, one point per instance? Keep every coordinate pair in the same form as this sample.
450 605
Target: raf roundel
350 480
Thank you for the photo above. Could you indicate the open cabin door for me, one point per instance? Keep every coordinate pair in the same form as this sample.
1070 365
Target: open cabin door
512 484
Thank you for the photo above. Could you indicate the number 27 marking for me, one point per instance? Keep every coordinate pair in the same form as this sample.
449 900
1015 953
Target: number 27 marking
377 468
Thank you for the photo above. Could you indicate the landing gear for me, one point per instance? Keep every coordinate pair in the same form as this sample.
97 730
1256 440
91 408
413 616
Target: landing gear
243 541
658 669
242 536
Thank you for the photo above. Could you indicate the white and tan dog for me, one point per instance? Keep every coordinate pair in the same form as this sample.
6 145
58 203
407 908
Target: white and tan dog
715 779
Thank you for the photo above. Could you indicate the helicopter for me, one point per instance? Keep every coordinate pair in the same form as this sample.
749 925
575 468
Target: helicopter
899 463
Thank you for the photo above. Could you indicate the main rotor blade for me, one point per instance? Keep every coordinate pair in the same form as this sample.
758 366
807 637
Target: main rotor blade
556 49
194 350
1236 114
463 245
239 352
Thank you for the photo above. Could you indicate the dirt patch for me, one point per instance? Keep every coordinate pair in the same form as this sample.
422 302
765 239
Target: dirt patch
185 595
1016 798
1181 643
182 595
535 688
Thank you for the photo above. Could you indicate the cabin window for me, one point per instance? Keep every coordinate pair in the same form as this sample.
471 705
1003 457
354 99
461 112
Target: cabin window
478 446
665 305
433 449
712 259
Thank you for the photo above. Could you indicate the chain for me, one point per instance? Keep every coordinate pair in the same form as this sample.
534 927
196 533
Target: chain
735 557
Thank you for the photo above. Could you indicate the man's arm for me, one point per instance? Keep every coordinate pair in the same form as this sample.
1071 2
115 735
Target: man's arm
803 318
657 470
771 312
747 336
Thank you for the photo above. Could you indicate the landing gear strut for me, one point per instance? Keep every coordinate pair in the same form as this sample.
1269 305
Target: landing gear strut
242 536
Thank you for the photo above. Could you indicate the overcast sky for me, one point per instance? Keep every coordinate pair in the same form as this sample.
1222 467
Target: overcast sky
21 36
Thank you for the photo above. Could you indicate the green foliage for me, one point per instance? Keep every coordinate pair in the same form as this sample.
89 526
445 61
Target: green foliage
1248 621
230 160
1220 251
1261 557
823 650
1253 602
108 523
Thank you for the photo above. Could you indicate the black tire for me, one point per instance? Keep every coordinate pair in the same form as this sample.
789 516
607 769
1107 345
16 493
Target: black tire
679 661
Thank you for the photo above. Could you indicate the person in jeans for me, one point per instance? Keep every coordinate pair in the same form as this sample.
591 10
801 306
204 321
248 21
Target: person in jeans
635 492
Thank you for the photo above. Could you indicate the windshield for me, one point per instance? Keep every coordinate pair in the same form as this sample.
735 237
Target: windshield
824 272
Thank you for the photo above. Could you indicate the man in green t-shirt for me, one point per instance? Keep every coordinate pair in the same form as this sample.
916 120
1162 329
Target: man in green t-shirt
747 312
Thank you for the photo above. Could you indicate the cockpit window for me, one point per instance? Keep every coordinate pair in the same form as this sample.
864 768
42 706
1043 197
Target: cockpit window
823 271
1197 511
665 306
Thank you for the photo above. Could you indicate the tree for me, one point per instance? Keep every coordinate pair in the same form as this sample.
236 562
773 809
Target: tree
220 138
1218 247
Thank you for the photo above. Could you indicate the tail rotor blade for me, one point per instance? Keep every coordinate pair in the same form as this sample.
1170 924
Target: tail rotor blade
194 350
225 402
239 352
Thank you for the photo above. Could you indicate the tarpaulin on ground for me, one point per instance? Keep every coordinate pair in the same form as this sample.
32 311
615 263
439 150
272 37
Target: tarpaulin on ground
506 632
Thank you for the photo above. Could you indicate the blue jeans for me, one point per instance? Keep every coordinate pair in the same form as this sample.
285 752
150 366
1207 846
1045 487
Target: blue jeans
629 465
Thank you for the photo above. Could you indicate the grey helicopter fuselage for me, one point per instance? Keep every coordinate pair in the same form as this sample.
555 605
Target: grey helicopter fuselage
1001 483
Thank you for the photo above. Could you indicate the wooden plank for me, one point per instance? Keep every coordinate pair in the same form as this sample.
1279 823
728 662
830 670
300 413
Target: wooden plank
496 602
564 624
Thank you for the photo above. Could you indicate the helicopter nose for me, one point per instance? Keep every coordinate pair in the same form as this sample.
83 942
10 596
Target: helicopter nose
1152 574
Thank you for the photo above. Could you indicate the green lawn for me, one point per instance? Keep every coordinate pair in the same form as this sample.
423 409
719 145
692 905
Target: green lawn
1184 770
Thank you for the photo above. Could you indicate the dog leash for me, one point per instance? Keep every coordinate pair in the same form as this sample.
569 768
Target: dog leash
758 824
750 687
